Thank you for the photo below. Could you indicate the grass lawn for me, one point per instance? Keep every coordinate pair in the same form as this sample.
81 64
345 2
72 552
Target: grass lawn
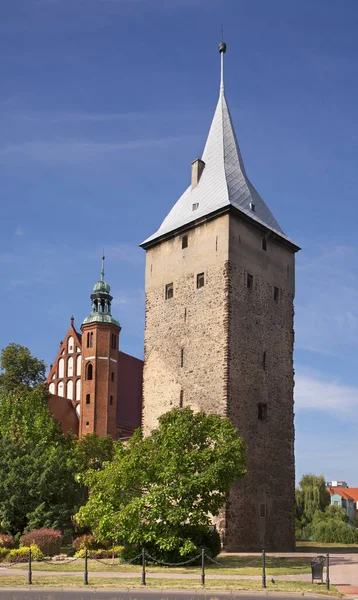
229 565
324 548
212 584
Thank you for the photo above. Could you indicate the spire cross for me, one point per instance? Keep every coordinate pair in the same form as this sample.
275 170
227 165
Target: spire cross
222 50
102 270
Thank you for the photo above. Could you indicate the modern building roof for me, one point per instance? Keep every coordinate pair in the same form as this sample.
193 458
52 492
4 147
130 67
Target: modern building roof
346 493
223 182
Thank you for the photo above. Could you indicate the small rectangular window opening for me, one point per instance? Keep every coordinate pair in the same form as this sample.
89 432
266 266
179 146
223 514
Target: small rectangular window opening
111 400
182 357
249 281
262 411
87 424
181 399
195 205
169 291
88 399
90 339
253 207
184 314
264 244
184 241
276 294
200 280
112 376
262 511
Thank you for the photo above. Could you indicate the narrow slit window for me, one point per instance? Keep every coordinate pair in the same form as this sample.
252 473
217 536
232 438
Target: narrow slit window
184 314
181 399
262 511
200 280
184 241
88 399
112 376
262 411
90 339
87 424
264 244
253 207
249 281
276 294
182 357
195 205
169 291
111 400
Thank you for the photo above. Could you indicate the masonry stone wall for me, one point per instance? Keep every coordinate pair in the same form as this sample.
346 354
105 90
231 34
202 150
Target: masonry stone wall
260 371
193 321
224 329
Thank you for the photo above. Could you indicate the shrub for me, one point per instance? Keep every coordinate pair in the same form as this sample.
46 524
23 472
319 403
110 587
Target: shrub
6 541
116 552
334 530
3 553
48 540
22 554
194 540
85 541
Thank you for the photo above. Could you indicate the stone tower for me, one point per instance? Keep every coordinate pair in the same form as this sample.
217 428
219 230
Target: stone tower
220 284
100 340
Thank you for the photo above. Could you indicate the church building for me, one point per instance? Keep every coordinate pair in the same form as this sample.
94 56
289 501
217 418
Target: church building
94 386
220 286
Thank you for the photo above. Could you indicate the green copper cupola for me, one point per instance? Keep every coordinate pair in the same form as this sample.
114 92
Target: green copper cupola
101 302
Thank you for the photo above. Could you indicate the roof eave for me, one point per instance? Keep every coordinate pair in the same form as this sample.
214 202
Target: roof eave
221 211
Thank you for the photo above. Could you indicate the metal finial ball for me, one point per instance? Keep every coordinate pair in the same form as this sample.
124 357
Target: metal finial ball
222 47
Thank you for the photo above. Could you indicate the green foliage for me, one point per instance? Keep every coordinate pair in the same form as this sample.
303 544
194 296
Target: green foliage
114 552
38 464
22 554
331 526
311 496
20 368
157 488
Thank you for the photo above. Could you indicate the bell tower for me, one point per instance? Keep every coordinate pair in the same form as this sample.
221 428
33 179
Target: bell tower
100 342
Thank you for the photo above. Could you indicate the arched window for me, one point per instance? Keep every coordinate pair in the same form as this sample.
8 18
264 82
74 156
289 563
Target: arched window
70 367
88 399
51 388
61 368
69 393
61 389
89 373
78 365
78 389
70 344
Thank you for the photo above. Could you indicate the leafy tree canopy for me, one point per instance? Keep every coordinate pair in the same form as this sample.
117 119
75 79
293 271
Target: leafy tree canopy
159 486
311 496
20 368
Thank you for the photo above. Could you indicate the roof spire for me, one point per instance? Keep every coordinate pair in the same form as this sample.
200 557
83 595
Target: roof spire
102 270
222 50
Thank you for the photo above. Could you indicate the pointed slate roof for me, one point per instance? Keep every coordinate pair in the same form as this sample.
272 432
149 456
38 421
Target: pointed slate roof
224 181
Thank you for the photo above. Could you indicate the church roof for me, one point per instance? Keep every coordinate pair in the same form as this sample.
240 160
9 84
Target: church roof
223 182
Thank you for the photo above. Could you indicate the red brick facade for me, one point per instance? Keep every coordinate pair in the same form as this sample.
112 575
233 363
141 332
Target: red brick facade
108 403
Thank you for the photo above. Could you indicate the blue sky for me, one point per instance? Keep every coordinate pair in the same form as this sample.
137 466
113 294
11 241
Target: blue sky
103 106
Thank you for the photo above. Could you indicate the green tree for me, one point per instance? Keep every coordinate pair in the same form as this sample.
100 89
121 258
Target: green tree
159 490
311 496
331 526
20 368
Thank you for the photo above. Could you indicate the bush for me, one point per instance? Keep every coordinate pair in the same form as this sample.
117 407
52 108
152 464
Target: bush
48 540
334 530
194 540
116 552
22 554
3 553
85 541
6 541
